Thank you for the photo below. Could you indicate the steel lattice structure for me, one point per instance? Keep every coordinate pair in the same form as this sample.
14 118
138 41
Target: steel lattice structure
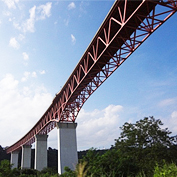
127 25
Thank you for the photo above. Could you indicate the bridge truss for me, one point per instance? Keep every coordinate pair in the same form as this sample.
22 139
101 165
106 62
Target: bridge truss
127 25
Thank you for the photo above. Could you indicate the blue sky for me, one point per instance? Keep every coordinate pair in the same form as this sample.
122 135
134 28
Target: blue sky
40 44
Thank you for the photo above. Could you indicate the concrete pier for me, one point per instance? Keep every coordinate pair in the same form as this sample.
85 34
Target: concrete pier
26 157
40 152
67 146
14 159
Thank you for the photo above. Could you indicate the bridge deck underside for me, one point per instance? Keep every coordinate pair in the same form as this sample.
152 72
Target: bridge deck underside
126 27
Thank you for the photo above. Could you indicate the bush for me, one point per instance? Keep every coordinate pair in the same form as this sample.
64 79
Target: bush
48 172
5 169
29 172
68 173
167 170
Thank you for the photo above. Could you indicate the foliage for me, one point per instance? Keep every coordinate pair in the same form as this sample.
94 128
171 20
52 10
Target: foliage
3 154
144 143
136 151
81 170
92 158
5 169
28 172
166 170
109 162
68 173
52 157
48 172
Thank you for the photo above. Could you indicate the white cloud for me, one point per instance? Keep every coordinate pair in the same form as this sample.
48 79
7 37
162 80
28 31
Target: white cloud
16 25
14 43
36 13
44 11
29 24
21 37
66 21
25 56
83 6
42 72
20 108
25 76
8 82
6 13
25 60
174 115
171 122
11 4
98 128
168 102
33 74
26 91
73 39
71 6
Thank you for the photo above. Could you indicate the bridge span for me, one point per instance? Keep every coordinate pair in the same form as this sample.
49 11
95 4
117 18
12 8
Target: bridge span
127 25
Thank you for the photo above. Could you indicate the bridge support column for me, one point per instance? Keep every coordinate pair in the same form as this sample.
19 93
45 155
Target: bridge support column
14 159
67 146
40 152
26 156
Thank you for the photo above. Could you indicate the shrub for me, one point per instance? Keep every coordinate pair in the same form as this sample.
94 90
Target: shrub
5 169
29 172
166 170
68 173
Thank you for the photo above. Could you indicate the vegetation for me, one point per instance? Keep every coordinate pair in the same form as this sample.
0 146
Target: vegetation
143 149
3 154
6 171
144 144
167 170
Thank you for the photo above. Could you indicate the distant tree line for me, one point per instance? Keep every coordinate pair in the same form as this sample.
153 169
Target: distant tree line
52 156
3 154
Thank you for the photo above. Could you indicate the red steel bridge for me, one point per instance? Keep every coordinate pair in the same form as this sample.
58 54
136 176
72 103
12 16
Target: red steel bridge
127 25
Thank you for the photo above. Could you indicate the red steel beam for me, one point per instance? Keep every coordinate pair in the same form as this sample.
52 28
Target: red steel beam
127 25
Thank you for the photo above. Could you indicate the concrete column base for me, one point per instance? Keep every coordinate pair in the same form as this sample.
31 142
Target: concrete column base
40 152
67 146
26 157
14 159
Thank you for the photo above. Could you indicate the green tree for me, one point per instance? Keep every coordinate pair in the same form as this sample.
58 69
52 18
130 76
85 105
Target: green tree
47 172
103 164
81 170
167 170
144 143
28 172
68 173
109 162
5 169
93 162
